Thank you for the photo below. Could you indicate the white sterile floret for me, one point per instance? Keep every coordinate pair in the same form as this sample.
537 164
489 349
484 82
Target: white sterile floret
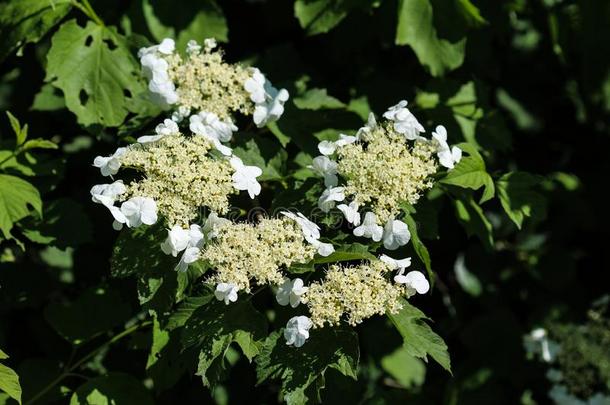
192 47
226 292
297 331
244 177
395 234
167 46
404 121
327 148
369 227
109 165
167 127
177 240
209 125
138 211
414 279
210 43
345 140
290 292
538 342
268 101
323 249
447 157
212 223
181 113
396 264
329 197
156 69
370 125
351 212
106 194
326 168
310 230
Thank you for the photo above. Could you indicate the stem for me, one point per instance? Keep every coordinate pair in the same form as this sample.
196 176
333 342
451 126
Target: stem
69 369
86 8
15 153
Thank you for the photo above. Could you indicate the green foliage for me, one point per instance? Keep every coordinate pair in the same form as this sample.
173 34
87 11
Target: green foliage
16 198
407 370
95 69
471 173
302 370
116 388
418 338
9 380
27 21
416 29
516 191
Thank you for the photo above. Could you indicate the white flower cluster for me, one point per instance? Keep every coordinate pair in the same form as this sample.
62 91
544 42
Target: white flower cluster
311 233
537 343
395 233
158 63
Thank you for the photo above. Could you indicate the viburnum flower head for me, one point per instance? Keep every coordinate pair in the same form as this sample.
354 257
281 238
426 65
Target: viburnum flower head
326 168
110 165
244 177
268 101
187 240
350 212
369 228
396 264
297 331
447 157
404 121
311 233
226 292
414 279
106 194
290 292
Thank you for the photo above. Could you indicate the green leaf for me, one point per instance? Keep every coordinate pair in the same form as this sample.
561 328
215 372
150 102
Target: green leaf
320 16
49 98
418 338
467 280
470 13
196 20
15 197
471 173
355 251
23 21
21 134
316 99
519 198
213 327
115 388
473 218
9 380
96 71
416 29
89 315
39 143
407 370
301 368
420 249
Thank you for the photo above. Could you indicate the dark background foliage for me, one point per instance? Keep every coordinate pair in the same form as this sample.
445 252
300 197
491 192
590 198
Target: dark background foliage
540 75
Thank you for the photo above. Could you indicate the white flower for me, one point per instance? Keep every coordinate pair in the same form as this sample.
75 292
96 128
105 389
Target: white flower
290 292
328 198
212 223
345 140
414 279
324 249
209 43
192 47
168 127
167 46
268 101
404 121
370 125
369 228
297 331
311 231
181 113
244 177
110 165
177 240
327 148
351 212
138 211
447 157
538 342
106 194
226 292
208 124
395 234
396 264
326 168
190 255
155 68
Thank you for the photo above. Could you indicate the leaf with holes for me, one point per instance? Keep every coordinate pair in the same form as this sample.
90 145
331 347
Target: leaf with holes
94 68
